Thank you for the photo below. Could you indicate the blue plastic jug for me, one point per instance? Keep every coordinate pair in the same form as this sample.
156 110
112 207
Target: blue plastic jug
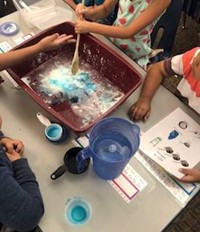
112 143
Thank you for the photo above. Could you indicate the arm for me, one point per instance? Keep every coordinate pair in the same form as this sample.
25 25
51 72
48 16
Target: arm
196 67
141 108
153 11
17 56
71 3
21 205
96 12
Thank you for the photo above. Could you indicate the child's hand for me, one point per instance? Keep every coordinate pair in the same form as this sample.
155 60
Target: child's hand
55 41
82 11
13 156
82 26
140 110
78 11
11 145
191 175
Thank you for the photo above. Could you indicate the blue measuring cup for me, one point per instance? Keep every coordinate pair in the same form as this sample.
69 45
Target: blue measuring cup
112 143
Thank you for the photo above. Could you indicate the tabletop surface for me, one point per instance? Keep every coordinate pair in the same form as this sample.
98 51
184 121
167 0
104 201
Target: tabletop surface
150 211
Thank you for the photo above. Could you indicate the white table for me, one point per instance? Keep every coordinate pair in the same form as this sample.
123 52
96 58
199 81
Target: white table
150 211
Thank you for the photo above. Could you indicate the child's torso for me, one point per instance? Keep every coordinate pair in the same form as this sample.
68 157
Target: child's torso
189 86
138 46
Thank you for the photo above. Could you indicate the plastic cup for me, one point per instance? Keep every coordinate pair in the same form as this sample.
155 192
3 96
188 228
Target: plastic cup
77 211
53 132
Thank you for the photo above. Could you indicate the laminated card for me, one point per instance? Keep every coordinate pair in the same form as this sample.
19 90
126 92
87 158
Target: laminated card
173 143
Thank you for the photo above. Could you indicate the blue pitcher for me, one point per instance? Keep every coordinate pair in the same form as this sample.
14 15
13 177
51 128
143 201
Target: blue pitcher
112 143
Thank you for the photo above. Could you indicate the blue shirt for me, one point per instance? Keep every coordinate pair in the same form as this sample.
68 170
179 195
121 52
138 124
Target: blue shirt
21 205
90 2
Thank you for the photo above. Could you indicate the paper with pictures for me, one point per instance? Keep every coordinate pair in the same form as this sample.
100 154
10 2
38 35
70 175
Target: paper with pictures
182 192
173 143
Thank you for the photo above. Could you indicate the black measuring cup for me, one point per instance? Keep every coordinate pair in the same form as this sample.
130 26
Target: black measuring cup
70 164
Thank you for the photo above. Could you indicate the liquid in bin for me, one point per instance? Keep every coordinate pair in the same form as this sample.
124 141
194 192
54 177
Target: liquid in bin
96 80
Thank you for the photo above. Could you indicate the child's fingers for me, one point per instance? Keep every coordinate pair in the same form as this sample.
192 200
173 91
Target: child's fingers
71 41
9 147
131 111
138 112
147 115
82 11
191 175
20 149
185 171
53 36
65 36
65 39
18 146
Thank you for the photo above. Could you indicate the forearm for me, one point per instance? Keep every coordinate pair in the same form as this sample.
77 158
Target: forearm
16 56
21 205
153 11
97 12
71 3
100 11
26 178
152 81
109 31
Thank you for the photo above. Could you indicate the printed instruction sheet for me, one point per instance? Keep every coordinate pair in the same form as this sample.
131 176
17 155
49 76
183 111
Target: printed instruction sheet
173 143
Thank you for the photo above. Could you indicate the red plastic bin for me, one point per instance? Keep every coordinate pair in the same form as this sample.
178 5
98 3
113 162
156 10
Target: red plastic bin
114 68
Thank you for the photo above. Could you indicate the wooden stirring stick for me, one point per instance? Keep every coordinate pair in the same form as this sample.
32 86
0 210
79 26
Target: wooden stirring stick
75 61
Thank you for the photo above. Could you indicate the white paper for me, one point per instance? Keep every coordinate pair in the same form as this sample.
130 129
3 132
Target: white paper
128 184
173 143
181 191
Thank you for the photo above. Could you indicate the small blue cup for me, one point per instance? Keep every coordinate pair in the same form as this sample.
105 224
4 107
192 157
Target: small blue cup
77 211
54 132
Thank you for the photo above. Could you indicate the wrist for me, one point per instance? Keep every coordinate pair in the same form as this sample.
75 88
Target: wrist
146 98
15 159
38 47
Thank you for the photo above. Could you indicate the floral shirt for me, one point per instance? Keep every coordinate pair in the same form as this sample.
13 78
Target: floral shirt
137 47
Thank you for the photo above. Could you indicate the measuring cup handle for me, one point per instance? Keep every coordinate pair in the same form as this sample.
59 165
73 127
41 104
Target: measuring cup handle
58 172
44 120
81 156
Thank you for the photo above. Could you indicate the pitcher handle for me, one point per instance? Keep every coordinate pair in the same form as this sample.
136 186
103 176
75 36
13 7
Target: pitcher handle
136 129
81 156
